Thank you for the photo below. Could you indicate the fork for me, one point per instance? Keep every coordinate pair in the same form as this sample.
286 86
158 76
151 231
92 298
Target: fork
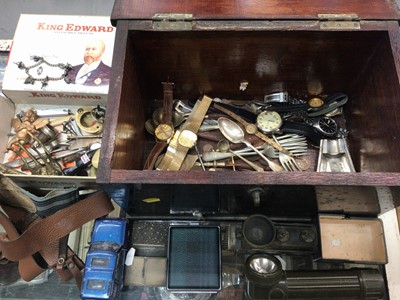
288 163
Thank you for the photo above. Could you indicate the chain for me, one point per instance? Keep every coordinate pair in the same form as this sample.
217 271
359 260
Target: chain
38 61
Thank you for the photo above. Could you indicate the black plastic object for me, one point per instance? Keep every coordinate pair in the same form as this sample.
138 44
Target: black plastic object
194 259
258 231
266 280
81 164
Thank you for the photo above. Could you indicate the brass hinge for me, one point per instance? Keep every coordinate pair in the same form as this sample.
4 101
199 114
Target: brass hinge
339 21
172 21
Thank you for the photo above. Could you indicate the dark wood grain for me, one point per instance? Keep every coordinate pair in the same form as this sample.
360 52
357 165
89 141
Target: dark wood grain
215 63
255 178
124 133
303 61
372 115
255 9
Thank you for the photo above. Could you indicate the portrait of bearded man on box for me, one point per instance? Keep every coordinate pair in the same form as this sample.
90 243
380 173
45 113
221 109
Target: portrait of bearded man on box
93 72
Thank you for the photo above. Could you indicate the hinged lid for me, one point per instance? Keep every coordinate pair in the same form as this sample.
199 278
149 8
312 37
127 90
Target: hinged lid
256 9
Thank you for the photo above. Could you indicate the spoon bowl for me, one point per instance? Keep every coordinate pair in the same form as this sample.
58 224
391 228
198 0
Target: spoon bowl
235 134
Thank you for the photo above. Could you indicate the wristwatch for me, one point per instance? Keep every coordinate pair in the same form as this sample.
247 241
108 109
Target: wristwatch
165 129
164 132
331 103
185 138
325 125
315 103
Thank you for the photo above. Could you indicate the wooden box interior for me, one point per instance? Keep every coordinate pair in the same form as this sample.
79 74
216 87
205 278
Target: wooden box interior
303 63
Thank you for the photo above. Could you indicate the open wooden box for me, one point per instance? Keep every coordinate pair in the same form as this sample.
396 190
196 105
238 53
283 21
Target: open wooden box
303 47
208 48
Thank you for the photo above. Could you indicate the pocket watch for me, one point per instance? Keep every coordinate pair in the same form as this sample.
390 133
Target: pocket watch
269 121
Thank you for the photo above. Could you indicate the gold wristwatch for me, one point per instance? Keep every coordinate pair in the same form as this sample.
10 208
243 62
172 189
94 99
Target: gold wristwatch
165 129
185 138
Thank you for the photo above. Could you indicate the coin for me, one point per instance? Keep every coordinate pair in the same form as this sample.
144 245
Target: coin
303 163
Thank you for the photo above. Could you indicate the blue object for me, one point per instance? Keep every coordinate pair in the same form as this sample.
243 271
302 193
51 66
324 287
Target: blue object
104 267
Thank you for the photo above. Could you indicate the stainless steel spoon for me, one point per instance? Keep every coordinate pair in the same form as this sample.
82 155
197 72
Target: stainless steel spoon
235 134
224 146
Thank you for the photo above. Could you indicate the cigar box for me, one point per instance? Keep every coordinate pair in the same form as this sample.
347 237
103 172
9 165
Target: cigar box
13 166
48 53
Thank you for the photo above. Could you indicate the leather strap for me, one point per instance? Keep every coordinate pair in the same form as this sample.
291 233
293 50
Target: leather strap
158 148
302 129
73 267
254 130
27 267
45 231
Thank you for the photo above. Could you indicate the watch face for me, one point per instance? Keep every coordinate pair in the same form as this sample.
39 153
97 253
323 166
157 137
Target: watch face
251 128
187 139
327 126
163 132
269 121
315 102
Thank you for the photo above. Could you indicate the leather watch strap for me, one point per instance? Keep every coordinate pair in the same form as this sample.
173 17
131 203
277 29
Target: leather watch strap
158 148
176 152
302 129
52 228
252 129
161 144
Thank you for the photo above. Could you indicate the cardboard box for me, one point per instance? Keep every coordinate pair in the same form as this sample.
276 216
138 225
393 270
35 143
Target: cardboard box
354 240
8 111
44 49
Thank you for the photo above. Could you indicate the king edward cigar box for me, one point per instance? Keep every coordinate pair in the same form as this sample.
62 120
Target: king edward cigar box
54 60
47 57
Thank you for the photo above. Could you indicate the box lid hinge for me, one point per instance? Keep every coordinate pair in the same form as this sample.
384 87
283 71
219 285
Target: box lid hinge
173 21
339 21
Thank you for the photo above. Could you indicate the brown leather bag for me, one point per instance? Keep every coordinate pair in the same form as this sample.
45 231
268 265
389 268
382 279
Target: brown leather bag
39 243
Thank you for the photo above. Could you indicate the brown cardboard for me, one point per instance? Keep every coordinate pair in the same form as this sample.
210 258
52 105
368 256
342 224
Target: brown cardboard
356 240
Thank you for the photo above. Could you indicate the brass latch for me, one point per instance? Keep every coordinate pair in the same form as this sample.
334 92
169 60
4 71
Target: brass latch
173 22
339 22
